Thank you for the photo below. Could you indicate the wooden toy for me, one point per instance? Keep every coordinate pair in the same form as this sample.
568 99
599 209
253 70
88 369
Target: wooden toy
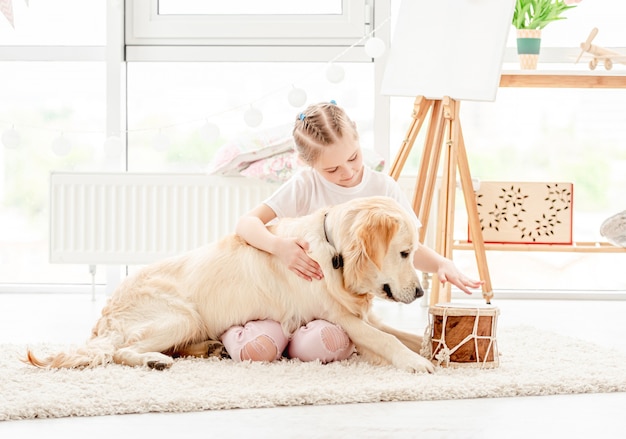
607 56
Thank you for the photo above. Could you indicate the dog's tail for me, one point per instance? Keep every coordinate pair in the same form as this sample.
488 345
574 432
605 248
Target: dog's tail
97 351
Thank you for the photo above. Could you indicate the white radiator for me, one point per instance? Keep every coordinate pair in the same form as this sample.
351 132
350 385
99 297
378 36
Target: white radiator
137 218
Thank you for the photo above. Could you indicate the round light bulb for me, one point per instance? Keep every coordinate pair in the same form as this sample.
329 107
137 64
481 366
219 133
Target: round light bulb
335 73
11 138
375 47
253 117
61 146
296 97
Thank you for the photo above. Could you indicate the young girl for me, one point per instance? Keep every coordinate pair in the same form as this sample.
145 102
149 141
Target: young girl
326 140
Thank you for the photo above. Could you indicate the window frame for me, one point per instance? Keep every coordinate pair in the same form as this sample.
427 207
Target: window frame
145 27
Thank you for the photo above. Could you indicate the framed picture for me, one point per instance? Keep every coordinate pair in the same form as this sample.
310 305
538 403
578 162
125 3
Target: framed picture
525 212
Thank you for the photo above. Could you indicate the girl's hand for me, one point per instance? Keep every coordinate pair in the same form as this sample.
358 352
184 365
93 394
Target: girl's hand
449 273
293 253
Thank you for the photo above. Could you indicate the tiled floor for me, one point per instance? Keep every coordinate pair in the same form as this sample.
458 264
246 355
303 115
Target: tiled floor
68 319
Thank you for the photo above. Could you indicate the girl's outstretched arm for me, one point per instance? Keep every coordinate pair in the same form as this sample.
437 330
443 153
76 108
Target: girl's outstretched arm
429 261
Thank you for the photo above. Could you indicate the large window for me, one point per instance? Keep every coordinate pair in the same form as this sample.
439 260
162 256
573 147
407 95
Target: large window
180 73
52 116
53 109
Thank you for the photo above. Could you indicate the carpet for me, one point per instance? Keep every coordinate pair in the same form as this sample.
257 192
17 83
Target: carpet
532 362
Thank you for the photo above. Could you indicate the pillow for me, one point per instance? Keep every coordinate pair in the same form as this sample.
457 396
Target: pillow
238 154
276 169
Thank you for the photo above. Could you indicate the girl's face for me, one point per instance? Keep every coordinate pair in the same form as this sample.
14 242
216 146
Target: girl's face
341 163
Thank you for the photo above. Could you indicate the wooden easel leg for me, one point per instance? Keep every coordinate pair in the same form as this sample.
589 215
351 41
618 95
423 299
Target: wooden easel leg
451 115
436 295
447 198
427 178
420 110
474 219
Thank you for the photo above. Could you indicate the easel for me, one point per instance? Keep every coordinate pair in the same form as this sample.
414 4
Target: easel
444 118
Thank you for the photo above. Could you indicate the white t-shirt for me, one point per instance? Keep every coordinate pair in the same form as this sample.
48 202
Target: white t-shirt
308 191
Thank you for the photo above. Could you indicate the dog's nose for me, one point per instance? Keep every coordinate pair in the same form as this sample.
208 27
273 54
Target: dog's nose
419 292
387 290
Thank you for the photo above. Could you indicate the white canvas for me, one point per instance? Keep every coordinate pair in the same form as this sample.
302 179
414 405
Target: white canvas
448 48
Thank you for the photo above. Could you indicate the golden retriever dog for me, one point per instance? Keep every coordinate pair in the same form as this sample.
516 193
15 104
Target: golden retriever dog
175 307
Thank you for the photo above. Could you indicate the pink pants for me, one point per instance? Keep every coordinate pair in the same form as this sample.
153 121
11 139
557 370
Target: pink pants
264 340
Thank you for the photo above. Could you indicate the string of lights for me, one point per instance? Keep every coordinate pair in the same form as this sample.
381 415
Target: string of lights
297 97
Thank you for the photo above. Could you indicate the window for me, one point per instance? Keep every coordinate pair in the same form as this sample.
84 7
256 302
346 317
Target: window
58 91
241 23
189 62
52 114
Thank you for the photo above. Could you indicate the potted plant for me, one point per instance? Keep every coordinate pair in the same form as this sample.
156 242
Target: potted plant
529 18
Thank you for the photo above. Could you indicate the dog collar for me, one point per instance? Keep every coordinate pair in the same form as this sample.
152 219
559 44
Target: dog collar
337 258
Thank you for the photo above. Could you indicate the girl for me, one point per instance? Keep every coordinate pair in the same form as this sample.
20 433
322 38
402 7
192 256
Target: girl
328 142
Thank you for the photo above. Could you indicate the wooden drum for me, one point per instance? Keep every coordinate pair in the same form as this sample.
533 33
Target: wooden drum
462 335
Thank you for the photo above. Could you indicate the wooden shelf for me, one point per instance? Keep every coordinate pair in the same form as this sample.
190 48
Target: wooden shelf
563 79
577 247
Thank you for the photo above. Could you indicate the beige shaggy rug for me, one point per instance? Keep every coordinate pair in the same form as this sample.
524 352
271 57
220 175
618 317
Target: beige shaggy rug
531 363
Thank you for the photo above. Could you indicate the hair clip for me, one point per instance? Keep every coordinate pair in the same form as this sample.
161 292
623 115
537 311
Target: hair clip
334 102
301 116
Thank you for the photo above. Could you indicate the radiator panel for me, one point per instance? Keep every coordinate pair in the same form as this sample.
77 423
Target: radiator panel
126 218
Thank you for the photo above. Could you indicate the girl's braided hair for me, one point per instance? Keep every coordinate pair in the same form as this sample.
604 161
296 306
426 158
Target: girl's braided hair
318 126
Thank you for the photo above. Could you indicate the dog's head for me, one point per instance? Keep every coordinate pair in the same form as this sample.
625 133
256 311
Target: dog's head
377 240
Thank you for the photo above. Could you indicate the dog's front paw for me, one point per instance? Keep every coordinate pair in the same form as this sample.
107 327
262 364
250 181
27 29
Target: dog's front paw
412 362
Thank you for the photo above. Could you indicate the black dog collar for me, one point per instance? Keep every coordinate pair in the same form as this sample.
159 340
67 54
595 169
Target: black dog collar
337 259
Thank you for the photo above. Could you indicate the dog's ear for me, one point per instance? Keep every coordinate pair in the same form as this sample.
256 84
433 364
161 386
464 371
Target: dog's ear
375 234
371 232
